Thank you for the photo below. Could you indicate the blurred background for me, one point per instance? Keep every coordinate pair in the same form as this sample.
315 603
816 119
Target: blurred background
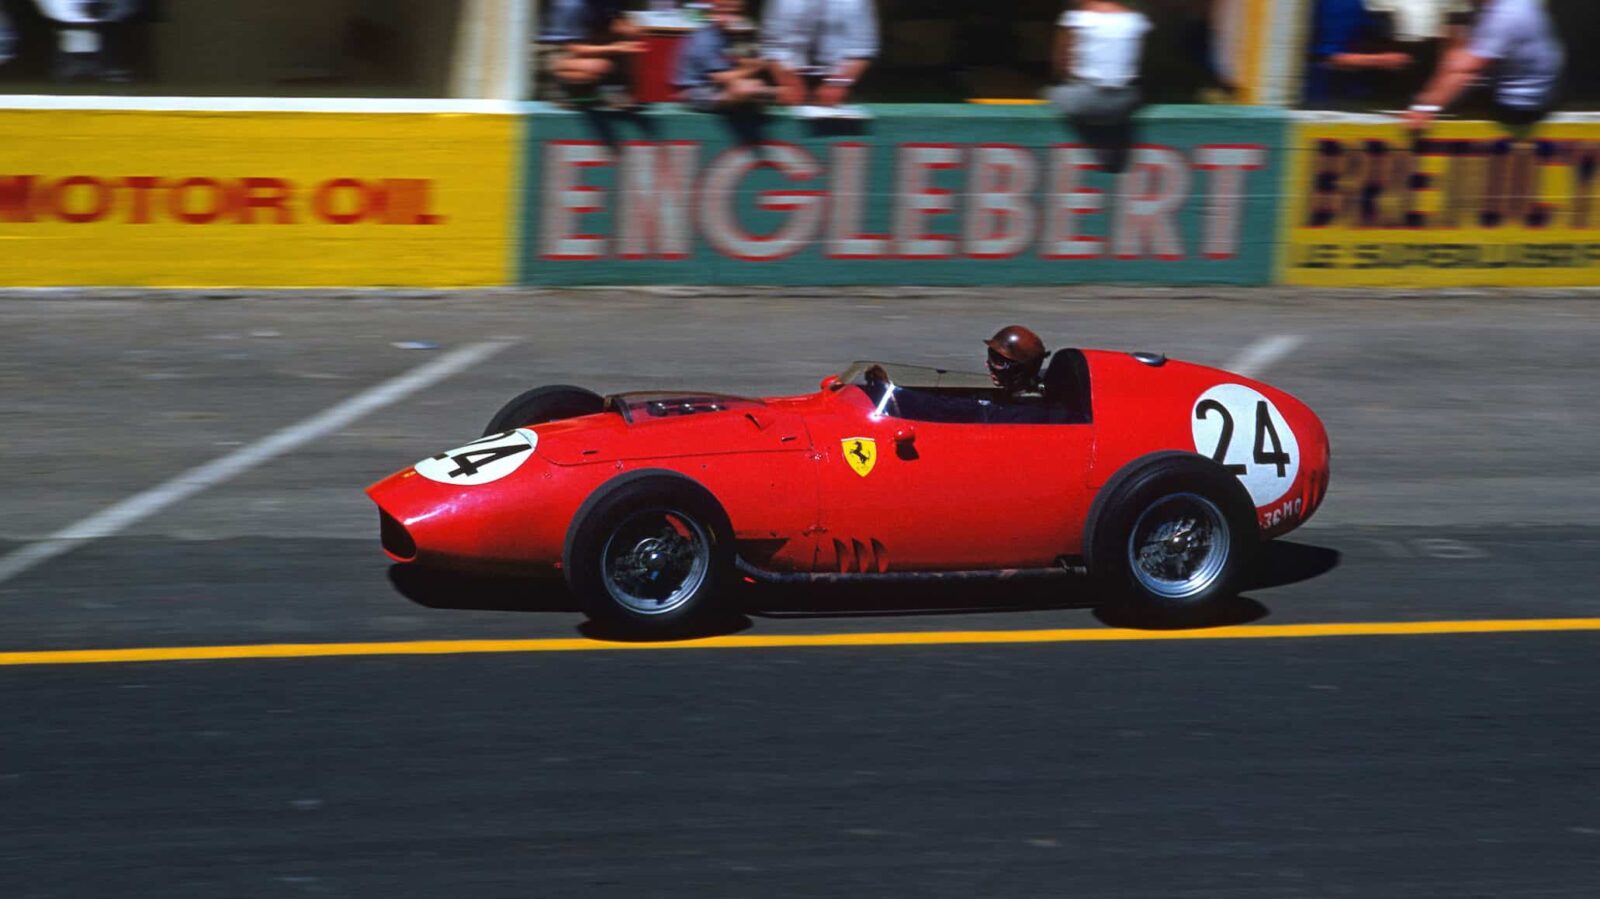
935 51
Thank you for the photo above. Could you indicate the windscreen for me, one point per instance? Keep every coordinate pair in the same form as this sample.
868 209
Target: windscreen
917 376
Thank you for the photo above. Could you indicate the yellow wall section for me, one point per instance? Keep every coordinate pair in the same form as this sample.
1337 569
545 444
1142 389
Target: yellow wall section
1490 208
293 199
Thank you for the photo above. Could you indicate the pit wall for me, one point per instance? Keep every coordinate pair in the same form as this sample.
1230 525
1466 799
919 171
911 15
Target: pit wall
186 192
917 195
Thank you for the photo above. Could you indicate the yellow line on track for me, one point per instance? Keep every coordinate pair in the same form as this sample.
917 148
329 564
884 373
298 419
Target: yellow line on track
780 641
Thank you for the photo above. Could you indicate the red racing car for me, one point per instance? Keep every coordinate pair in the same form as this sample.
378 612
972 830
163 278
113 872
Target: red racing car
1158 478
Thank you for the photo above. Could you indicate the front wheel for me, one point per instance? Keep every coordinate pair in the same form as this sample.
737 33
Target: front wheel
649 553
1172 537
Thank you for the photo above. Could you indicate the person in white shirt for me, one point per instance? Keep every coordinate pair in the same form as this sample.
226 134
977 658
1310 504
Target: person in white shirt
818 49
1512 41
88 44
1098 49
1097 54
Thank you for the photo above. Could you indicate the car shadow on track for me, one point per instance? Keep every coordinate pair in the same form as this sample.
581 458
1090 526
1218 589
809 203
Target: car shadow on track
910 600
1066 594
455 591
1281 563
1284 562
481 593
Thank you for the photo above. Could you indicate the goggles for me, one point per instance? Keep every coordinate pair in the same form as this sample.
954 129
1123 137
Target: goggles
1001 363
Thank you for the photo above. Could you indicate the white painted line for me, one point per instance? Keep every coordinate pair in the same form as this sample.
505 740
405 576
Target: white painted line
115 518
1259 356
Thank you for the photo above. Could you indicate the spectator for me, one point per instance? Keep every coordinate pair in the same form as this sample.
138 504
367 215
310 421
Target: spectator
818 49
1349 46
84 30
1205 31
1223 24
1097 57
596 40
1097 51
1514 43
8 37
710 77
1419 20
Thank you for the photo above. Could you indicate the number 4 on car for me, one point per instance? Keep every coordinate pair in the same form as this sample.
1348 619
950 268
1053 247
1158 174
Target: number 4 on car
1156 479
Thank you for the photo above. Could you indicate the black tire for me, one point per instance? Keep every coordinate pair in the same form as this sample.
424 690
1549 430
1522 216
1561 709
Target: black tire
632 508
1167 584
542 404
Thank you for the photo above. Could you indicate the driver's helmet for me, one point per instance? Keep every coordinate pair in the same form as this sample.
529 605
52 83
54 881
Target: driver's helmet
1016 355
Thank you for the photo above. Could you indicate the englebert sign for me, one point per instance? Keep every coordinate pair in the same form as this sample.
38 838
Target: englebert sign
984 202
919 195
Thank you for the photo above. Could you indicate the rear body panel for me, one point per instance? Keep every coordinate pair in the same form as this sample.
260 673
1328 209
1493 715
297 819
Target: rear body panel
1141 409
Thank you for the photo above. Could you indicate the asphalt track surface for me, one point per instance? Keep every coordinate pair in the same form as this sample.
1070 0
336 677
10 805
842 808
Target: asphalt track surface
1464 489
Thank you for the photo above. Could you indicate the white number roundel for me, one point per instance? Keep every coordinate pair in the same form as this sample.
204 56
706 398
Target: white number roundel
1244 431
481 461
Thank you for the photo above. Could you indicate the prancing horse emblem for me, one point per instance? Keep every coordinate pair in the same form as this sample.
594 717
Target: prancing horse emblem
861 453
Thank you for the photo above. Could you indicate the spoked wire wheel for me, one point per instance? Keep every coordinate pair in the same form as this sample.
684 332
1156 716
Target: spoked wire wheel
655 560
1179 546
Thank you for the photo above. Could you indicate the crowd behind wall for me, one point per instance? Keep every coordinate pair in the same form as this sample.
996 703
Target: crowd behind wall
952 50
1415 33
398 48
932 50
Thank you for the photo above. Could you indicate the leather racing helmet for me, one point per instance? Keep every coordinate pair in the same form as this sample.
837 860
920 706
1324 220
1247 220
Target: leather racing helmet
1016 355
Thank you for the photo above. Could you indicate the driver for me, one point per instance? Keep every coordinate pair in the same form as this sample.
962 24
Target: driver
1016 356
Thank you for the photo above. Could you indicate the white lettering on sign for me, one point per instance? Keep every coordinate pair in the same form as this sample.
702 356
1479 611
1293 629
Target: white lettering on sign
918 199
1227 165
845 239
1068 201
939 201
1001 218
566 198
720 189
1150 194
657 199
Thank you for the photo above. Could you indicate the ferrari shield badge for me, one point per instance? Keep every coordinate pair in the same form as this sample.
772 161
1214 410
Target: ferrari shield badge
861 453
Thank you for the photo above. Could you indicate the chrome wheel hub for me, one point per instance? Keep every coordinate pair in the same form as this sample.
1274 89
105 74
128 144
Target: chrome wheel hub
1179 546
655 561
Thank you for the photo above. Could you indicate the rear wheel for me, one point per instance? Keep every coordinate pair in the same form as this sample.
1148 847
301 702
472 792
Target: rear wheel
1171 537
649 553
542 404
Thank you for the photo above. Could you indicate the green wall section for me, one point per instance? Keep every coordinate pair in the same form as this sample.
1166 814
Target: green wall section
958 194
